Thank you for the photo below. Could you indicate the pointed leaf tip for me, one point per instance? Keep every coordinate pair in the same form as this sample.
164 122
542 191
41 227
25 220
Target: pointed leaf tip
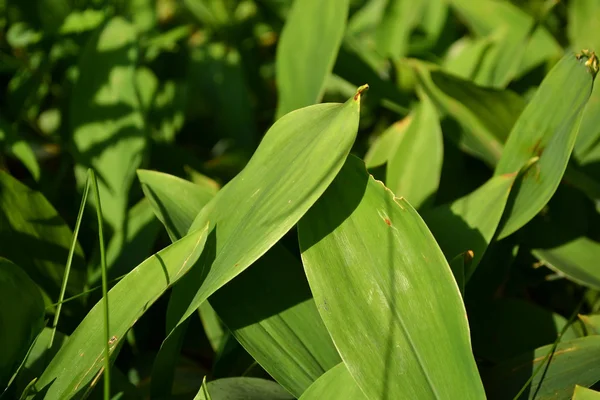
360 91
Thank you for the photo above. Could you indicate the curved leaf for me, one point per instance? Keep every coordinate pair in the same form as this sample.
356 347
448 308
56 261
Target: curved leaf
243 389
470 222
582 393
295 162
399 311
77 366
546 129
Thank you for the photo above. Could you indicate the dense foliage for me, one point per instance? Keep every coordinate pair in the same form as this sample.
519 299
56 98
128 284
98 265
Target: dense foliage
313 199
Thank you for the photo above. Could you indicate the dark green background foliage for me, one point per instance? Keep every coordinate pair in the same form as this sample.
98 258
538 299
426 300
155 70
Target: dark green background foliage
436 236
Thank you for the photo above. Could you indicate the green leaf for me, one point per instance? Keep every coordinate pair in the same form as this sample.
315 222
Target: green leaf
106 118
378 253
487 115
253 211
382 149
78 365
414 168
583 18
335 384
576 259
81 21
487 17
20 148
21 317
38 358
133 244
573 363
582 393
280 326
175 201
547 129
399 18
28 221
592 323
470 222
243 389
507 328
307 50
587 145
212 325
282 315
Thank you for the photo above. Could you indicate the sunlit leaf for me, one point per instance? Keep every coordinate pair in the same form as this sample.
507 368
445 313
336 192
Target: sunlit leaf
399 310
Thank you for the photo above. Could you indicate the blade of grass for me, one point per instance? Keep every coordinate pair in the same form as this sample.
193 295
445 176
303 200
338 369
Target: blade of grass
92 177
63 287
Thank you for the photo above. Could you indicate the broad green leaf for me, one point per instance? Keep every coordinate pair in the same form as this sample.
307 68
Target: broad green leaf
576 259
582 393
243 389
77 366
487 115
573 363
387 296
307 50
21 317
506 328
295 162
583 18
414 168
470 222
280 327
486 17
171 199
335 384
107 122
547 129
282 315
28 221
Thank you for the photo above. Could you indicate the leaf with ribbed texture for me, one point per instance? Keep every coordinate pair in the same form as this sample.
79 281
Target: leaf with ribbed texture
387 295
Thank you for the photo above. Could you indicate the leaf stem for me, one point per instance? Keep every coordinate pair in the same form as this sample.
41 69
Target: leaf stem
92 175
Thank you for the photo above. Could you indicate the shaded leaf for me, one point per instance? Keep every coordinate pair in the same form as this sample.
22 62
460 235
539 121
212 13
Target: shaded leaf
573 363
19 326
28 221
107 122
382 150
